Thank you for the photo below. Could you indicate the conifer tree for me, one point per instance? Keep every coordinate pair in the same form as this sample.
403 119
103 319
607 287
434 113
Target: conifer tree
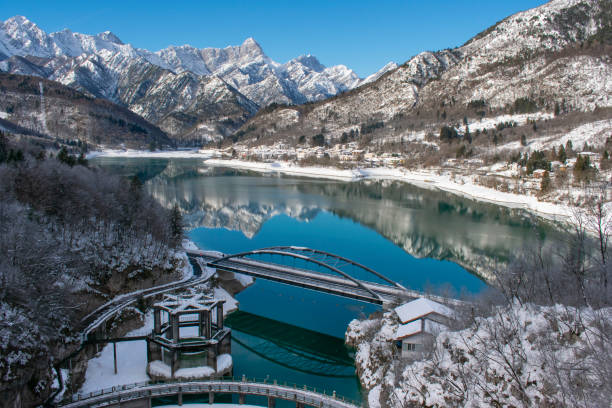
176 224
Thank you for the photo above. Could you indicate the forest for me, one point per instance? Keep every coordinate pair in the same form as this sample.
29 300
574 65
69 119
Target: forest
71 237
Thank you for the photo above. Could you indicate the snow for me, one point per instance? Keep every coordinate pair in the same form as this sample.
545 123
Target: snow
224 361
408 329
160 369
374 397
194 372
187 270
245 280
189 245
418 326
519 119
531 338
593 133
231 303
388 67
131 362
165 154
419 308
286 168
245 67
187 274
132 357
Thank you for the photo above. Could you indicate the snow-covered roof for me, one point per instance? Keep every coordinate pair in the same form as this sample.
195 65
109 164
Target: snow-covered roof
408 329
175 304
419 326
421 307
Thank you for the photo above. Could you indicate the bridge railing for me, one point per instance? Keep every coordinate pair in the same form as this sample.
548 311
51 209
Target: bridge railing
286 390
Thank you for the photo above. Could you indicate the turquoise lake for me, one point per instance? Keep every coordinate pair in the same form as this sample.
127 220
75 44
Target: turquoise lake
424 239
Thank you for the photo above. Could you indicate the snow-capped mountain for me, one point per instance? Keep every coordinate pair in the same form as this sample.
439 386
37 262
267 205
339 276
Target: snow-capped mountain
557 53
208 93
390 66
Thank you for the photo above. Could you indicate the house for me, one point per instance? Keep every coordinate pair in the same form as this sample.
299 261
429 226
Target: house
412 337
422 320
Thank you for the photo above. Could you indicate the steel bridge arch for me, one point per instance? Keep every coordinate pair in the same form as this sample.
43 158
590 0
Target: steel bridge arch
316 257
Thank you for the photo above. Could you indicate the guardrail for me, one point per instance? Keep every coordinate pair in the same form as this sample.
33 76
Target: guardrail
302 395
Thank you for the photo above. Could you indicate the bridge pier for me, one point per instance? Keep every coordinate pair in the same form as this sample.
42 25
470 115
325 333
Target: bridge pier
271 402
211 397
180 397
241 399
299 405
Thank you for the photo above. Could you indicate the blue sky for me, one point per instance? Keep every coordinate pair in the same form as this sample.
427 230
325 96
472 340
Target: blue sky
364 35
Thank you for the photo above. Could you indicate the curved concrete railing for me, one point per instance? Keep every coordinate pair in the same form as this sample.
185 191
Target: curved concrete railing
104 312
146 391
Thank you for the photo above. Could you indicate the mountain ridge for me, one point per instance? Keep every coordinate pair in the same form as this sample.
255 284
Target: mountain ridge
103 66
547 55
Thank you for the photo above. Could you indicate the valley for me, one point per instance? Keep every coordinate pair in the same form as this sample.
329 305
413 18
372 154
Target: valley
210 225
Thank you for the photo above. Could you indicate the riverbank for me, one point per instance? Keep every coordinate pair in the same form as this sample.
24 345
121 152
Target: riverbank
431 179
439 179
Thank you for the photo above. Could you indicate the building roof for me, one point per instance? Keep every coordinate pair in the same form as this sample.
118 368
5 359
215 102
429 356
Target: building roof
419 326
183 304
421 307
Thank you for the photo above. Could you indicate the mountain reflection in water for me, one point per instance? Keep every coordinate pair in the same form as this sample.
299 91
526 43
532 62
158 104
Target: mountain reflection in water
424 223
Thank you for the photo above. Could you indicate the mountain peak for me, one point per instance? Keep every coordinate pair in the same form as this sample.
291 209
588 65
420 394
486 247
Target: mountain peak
20 24
251 47
250 42
19 20
110 36
311 62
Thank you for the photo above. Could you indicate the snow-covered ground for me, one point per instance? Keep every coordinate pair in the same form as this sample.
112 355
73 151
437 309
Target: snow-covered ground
524 344
132 355
288 168
131 362
165 154
519 119
593 133
132 359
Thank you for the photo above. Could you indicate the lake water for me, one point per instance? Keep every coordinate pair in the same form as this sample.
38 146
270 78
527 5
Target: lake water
424 239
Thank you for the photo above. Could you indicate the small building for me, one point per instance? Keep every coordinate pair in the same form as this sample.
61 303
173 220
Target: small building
414 336
422 320
539 173
188 340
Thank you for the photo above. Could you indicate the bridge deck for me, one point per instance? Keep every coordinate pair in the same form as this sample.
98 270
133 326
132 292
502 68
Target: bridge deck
323 282
307 279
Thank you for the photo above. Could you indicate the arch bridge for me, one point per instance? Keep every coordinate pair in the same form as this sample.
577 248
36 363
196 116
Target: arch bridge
141 395
311 269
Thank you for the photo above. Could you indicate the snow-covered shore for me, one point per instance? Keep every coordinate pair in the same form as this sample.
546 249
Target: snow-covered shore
424 178
160 154
421 178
